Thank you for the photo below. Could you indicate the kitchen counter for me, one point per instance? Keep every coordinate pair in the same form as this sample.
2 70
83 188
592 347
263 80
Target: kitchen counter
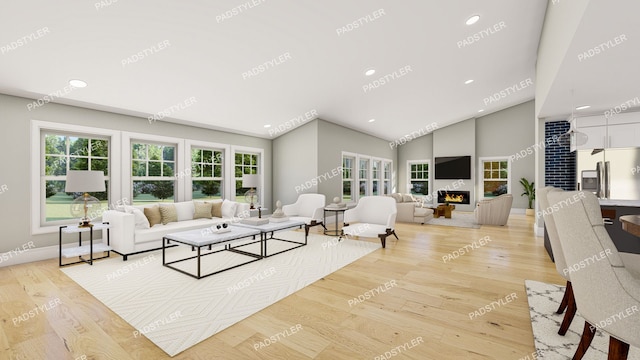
613 202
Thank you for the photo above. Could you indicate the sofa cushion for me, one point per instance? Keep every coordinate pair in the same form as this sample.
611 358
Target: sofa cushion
141 220
202 210
216 208
408 198
185 210
153 215
229 208
168 213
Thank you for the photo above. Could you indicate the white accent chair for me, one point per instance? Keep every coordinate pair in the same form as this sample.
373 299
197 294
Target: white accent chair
494 211
606 290
375 217
309 208
568 301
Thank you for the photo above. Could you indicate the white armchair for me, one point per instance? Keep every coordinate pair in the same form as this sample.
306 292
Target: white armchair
375 217
308 208
494 211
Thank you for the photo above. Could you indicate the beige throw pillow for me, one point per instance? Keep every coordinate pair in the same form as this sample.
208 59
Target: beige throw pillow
169 213
202 210
153 215
216 209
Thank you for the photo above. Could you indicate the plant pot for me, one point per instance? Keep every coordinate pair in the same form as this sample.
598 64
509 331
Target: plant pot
529 212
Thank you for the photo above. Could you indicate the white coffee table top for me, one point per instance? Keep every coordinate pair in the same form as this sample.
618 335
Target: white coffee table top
201 237
271 226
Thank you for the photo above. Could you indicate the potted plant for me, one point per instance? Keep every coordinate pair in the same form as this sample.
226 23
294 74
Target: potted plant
530 191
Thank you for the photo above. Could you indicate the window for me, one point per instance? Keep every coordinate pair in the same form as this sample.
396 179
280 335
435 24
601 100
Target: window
245 163
495 176
376 176
418 177
152 172
371 176
387 178
363 176
348 164
63 152
207 174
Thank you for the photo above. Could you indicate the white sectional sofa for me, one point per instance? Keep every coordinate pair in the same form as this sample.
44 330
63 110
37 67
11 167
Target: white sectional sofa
131 232
410 211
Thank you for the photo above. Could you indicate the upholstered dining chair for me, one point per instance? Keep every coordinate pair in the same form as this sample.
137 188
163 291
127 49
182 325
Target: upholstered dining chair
494 211
375 217
568 302
606 292
307 208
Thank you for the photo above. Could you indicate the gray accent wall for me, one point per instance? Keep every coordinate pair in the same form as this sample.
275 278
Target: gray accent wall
15 145
333 139
295 163
457 140
505 133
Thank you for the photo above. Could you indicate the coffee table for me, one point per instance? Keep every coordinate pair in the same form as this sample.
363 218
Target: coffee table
200 238
444 210
271 228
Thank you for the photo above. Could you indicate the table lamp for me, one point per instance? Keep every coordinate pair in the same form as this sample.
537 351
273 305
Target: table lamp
84 181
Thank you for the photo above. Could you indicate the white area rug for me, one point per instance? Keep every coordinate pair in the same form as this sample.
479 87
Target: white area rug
176 311
544 300
458 219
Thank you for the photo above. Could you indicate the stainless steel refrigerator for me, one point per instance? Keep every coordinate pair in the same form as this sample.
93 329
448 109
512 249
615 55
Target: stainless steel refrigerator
616 171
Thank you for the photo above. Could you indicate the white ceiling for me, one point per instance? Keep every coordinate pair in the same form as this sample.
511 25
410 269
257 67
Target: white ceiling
602 80
206 58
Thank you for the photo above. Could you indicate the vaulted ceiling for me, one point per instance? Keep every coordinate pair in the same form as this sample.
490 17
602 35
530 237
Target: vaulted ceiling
240 65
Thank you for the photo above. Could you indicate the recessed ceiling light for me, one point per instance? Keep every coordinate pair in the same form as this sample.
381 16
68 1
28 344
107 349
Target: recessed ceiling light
468 82
583 107
481 110
77 83
370 72
267 126
472 20
372 120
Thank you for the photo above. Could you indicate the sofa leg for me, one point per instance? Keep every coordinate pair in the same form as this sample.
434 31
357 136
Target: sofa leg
124 257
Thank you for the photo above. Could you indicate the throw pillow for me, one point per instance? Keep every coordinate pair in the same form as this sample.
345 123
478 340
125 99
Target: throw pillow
202 210
185 210
229 208
153 215
140 219
216 209
397 197
169 213
408 198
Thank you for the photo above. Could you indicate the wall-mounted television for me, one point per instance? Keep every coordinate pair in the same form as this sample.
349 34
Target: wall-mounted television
452 167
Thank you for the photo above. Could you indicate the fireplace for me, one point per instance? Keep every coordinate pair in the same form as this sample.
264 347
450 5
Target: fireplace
454 197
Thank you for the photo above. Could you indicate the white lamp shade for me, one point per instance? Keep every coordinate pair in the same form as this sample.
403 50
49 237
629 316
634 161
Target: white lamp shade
250 180
84 181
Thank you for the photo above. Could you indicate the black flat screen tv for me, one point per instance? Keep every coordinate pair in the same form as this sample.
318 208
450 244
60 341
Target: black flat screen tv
452 167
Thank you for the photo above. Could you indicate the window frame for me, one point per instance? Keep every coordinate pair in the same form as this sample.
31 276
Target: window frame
39 225
189 146
428 179
352 179
481 178
232 171
128 138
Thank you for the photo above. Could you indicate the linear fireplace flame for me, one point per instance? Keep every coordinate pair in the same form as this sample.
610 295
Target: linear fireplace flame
454 197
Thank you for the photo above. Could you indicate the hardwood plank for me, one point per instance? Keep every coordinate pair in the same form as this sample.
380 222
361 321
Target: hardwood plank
431 299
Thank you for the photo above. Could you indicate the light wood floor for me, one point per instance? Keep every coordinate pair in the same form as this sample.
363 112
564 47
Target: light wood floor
432 300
